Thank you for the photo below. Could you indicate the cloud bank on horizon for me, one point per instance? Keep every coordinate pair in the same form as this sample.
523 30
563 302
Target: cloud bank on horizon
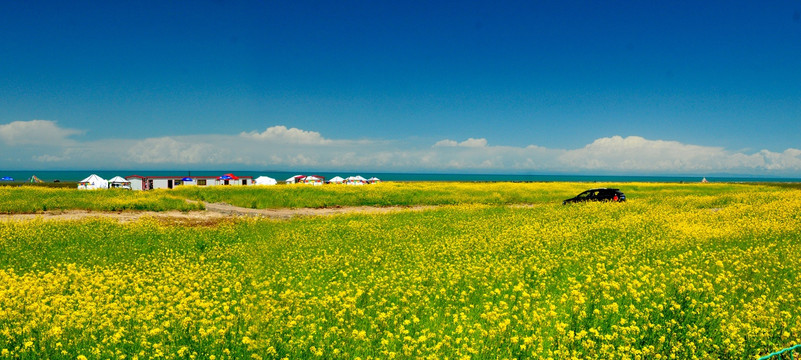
39 144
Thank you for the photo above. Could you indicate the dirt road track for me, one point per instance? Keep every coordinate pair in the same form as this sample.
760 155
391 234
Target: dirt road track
213 212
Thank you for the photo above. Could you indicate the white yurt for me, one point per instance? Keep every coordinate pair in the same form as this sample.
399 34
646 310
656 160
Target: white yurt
265 180
373 180
336 180
93 182
118 182
355 180
313 180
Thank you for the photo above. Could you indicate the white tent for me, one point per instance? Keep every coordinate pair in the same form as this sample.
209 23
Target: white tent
93 182
295 179
356 180
313 180
374 180
265 180
336 180
119 183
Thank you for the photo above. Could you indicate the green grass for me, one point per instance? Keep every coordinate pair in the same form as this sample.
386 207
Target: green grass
29 199
55 185
37 199
437 193
384 194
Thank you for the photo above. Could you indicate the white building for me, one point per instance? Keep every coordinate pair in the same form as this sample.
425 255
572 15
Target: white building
169 182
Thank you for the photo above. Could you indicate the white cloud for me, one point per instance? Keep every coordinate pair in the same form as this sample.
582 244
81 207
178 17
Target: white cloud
475 153
282 134
638 154
50 158
36 132
446 143
789 159
169 150
631 154
471 142
474 143
279 147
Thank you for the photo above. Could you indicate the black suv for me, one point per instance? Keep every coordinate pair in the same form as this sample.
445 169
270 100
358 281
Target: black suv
598 195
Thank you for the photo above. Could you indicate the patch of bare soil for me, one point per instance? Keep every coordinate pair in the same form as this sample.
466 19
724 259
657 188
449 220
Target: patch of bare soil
122 216
214 213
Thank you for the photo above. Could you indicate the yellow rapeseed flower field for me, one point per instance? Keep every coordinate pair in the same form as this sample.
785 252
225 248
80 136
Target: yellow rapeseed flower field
677 272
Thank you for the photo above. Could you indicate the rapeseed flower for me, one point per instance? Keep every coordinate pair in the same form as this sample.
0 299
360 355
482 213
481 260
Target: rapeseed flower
693 275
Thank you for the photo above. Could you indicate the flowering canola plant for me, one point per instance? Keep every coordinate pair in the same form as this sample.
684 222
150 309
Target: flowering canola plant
32 199
677 272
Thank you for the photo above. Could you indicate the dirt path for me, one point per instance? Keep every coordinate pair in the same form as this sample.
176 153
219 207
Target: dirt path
226 209
214 212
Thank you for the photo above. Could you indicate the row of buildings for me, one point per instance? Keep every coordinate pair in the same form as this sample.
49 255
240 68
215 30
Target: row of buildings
319 180
138 182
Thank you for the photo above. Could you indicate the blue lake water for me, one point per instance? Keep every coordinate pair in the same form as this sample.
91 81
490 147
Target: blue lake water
77 175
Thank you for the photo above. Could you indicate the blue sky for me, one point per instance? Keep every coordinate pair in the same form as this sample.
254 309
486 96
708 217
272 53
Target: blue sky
511 87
